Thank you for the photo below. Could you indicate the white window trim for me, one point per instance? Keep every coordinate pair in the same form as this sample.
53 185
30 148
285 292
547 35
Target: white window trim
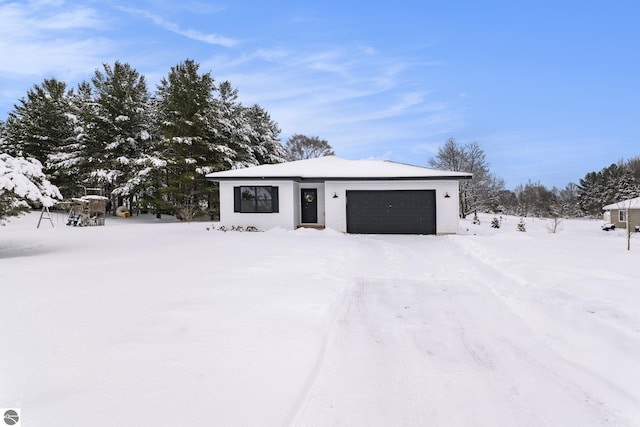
622 215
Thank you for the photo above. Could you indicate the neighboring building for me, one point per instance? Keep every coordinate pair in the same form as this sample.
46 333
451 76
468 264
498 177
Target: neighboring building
353 196
619 213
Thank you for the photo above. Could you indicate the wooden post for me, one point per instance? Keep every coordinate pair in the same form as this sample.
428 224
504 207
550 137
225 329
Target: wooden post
45 210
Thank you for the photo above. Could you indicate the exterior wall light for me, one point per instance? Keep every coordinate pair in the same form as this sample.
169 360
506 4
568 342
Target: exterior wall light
446 195
335 195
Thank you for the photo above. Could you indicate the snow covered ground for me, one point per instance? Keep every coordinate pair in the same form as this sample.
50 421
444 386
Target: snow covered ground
146 323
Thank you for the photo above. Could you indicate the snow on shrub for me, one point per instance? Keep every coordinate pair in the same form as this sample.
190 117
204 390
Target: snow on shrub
22 180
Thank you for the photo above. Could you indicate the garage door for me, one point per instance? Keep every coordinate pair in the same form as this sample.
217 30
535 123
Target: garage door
391 212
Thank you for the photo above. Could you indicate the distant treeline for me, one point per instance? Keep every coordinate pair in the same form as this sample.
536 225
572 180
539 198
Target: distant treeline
487 193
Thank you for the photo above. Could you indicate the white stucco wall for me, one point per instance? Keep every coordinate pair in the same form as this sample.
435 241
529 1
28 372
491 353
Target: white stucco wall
332 212
286 218
447 209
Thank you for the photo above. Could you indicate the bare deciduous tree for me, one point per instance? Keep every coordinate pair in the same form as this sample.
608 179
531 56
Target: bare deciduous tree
554 225
301 147
478 193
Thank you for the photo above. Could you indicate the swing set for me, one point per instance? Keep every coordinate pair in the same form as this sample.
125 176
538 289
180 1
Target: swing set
86 211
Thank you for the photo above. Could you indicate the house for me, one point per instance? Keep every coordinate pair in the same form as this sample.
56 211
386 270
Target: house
353 196
619 213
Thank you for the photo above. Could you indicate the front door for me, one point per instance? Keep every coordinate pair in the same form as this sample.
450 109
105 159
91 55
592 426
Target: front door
309 200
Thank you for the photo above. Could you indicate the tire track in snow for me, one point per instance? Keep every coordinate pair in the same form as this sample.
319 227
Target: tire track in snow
437 345
544 360
479 343
395 362
332 338
357 334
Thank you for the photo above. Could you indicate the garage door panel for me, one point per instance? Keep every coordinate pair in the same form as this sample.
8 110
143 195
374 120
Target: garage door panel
391 212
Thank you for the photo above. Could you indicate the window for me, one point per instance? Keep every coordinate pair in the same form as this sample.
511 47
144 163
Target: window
622 216
255 199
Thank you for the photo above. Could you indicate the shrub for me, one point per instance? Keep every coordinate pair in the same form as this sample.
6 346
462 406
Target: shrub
554 225
476 221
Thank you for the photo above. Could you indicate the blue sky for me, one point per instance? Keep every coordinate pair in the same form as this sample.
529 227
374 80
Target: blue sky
550 90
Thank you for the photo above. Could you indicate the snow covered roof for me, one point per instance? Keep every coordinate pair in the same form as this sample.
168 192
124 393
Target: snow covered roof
89 197
624 204
335 168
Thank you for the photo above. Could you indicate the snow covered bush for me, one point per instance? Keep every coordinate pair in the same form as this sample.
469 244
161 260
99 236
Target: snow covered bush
495 222
249 228
521 225
22 181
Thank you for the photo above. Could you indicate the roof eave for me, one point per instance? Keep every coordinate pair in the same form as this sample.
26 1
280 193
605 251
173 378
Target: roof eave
346 178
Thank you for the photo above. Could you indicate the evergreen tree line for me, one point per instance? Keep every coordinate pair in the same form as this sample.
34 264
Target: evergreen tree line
142 149
487 193
614 183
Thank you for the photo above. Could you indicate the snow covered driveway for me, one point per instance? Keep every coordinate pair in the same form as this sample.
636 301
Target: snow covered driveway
424 340
171 324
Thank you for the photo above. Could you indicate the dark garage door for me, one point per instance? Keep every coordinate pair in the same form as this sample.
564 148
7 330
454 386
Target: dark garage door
391 212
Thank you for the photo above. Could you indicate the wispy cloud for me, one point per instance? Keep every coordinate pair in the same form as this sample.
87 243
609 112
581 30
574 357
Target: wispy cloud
28 20
38 37
201 7
192 34
354 97
68 57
